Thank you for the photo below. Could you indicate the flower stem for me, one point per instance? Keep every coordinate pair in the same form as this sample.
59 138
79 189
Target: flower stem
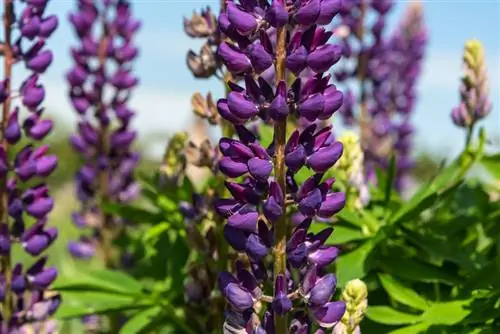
6 265
279 173
107 232
468 138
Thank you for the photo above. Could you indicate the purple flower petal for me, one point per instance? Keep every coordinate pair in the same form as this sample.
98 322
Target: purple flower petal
323 290
308 12
329 314
332 204
232 168
259 168
245 221
324 158
323 256
235 60
244 22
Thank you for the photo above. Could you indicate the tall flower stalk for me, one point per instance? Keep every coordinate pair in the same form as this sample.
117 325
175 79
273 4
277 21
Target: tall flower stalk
25 202
386 69
100 86
268 44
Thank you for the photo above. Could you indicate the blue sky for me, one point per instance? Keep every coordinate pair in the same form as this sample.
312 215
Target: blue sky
163 98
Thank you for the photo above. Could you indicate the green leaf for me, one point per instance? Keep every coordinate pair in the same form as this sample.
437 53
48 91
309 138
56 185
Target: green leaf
350 217
492 164
419 203
441 247
140 320
403 294
186 190
178 262
389 316
412 269
413 329
80 303
340 235
155 231
266 135
354 264
99 280
447 313
68 312
135 214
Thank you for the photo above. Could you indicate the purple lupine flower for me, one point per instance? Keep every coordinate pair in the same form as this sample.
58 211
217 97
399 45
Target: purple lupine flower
474 100
387 68
258 52
31 163
101 82
108 172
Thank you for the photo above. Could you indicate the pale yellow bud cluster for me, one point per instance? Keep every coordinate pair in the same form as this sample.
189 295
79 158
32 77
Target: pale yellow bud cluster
351 165
174 162
355 296
475 67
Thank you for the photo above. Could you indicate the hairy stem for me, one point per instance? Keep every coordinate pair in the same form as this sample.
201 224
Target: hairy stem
279 174
6 265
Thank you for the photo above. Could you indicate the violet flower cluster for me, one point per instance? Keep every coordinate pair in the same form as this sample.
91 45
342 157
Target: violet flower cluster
387 68
406 52
101 83
25 202
267 42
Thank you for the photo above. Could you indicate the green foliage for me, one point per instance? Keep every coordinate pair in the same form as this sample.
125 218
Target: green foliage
435 255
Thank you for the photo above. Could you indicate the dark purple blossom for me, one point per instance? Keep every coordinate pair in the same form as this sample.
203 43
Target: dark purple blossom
103 68
25 296
265 182
387 68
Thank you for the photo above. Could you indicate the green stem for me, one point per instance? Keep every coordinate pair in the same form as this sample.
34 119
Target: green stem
468 137
279 173
6 265
181 322
437 291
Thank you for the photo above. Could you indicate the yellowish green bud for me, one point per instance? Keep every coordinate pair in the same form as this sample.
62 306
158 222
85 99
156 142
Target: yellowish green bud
355 296
351 165
174 161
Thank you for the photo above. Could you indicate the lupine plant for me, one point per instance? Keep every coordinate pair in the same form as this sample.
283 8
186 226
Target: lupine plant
386 69
101 83
299 227
280 40
25 202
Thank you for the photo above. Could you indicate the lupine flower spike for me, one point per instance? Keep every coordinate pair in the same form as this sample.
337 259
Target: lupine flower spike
26 299
101 82
267 43
474 97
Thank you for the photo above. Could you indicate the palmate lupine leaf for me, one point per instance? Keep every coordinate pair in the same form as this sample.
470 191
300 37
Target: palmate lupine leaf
415 270
389 316
402 293
99 292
